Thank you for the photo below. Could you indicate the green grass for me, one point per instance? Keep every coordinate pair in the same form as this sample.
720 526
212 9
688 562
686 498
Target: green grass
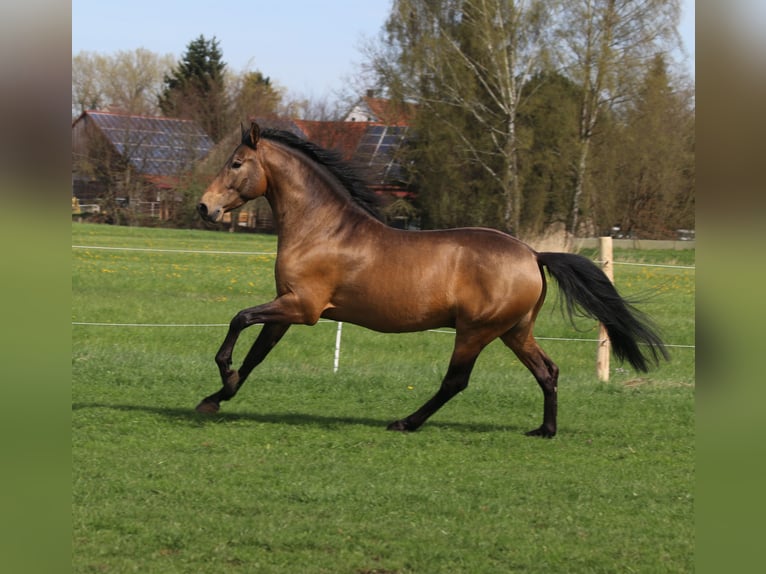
297 473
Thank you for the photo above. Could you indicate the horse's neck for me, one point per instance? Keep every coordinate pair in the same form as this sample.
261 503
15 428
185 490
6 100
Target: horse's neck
301 194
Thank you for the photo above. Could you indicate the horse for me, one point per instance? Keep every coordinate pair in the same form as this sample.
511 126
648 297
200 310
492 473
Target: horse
336 259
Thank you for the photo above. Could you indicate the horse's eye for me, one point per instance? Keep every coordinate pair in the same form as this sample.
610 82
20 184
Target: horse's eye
236 164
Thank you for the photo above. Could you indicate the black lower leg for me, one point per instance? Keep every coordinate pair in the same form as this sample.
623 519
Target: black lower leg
547 378
232 380
268 338
455 381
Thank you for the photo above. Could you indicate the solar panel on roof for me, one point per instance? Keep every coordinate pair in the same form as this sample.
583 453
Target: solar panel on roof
154 146
377 148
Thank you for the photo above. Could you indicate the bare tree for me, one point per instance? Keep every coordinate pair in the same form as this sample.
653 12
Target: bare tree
87 88
606 46
128 81
465 63
315 108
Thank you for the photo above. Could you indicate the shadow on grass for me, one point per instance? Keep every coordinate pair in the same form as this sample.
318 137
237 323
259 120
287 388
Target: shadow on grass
194 418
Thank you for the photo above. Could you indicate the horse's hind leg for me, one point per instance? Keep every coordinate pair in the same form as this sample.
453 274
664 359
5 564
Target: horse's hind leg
460 367
267 339
545 371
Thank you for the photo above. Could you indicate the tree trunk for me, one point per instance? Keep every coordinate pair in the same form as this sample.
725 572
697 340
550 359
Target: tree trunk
582 165
512 195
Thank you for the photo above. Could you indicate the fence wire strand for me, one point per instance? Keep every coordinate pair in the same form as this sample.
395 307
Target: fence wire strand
220 325
255 253
213 252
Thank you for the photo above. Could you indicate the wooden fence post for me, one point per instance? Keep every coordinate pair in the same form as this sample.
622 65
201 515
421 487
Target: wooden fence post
602 356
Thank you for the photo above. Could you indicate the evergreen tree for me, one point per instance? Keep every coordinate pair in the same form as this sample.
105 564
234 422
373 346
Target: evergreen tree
254 96
195 88
548 133
655 175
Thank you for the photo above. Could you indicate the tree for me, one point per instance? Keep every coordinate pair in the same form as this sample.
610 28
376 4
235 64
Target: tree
607 44
87 89
548 130
128 81
109 175
655 179
465 63
195 89
253 95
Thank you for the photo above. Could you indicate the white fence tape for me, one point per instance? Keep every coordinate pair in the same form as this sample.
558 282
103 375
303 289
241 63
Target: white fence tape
153 250
338 334
214 252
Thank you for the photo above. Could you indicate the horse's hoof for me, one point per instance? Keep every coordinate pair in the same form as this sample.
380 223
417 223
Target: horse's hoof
401 426
542 432
208 407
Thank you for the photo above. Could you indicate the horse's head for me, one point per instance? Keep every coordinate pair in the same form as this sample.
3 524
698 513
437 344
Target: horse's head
241 179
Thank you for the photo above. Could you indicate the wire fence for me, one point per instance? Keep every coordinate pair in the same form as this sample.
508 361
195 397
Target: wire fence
273 253
154 250
339 324
221 325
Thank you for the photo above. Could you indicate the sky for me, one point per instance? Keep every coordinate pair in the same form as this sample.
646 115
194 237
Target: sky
309 47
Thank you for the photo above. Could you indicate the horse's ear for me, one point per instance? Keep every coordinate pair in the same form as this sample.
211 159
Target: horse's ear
251 136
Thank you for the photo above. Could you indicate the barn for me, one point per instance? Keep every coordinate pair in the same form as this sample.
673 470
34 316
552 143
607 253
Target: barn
135 163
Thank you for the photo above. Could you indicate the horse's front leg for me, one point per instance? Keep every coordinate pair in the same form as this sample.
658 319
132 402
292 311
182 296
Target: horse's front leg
277 316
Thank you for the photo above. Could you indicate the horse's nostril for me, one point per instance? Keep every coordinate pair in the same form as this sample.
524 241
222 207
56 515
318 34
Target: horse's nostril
202 209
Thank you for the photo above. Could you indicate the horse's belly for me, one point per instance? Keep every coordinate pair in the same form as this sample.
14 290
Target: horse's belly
392 313
440 279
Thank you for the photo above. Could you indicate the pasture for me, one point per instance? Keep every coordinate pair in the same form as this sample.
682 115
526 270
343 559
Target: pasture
298 474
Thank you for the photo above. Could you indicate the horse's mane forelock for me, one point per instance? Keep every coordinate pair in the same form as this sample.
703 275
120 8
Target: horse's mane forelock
357 186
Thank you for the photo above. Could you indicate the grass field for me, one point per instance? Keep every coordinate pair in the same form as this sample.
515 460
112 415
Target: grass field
297 473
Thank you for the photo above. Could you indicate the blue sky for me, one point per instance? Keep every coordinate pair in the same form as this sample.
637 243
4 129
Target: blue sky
310 47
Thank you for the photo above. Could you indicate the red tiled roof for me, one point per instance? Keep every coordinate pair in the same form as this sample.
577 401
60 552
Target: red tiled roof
390 113
342 137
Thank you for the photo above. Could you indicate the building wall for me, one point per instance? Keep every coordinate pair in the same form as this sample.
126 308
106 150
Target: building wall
360 113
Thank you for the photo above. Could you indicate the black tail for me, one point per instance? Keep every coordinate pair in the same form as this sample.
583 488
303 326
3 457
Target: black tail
586 287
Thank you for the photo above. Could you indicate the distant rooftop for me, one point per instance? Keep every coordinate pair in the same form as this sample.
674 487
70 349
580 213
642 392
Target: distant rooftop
382 111
365 143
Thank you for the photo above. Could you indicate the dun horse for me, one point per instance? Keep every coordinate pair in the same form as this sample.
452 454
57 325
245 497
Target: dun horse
336 259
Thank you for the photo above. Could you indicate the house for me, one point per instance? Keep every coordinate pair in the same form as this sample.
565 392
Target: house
387 127
373 147
361 138
381 111
136 161
370 146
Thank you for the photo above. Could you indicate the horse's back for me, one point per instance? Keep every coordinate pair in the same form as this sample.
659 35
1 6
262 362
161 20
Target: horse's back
498 278
413 280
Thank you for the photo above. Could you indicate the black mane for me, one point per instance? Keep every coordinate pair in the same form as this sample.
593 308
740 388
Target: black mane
356 185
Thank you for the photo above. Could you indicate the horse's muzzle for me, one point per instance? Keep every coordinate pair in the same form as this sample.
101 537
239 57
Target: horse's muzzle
207 214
